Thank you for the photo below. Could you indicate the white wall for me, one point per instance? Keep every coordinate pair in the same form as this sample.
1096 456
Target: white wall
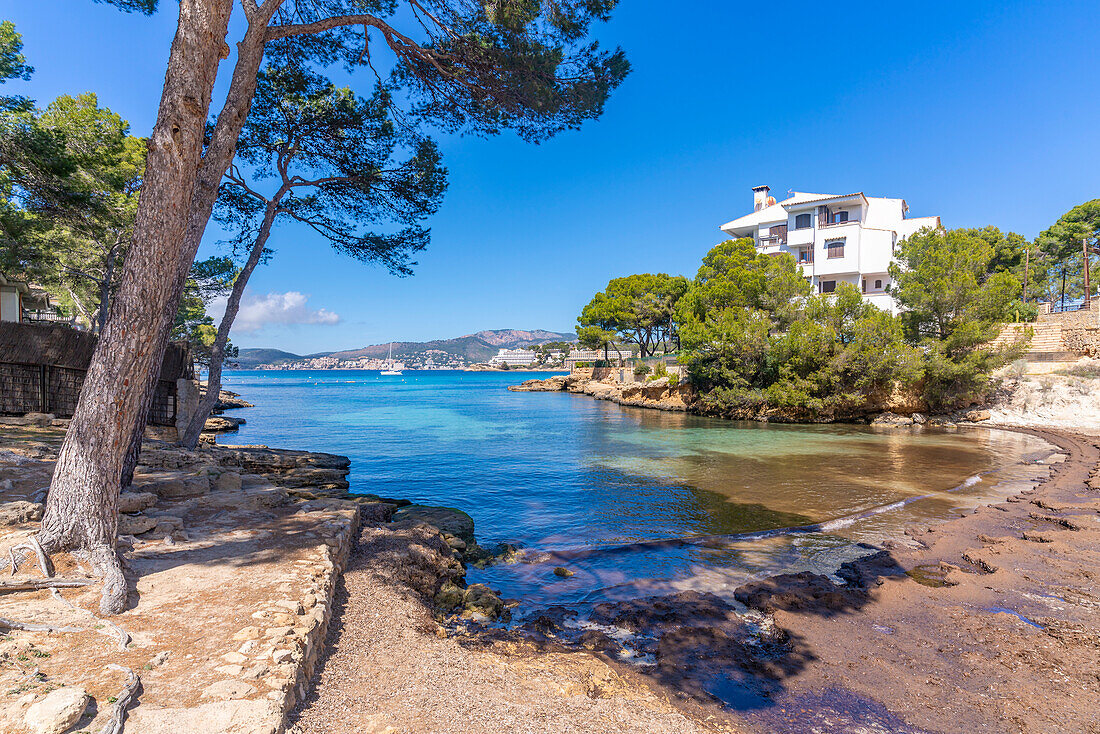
9 304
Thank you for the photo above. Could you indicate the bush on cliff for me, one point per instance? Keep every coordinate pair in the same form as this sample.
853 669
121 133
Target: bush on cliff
954 299
832 359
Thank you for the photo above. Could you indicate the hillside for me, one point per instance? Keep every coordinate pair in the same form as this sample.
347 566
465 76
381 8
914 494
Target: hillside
477 347
248 358
513 338
471 348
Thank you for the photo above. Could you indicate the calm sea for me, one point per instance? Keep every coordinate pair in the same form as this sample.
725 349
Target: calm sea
590 485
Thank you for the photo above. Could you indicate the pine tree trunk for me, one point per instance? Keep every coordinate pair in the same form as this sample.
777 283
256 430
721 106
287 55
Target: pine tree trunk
82 506
190 438
219 154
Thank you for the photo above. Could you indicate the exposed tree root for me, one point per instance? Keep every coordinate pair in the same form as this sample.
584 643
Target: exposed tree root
112 629
11 624
125 696
36 584
106 563
31 544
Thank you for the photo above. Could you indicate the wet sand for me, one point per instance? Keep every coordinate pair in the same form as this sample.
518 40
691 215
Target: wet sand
1008 643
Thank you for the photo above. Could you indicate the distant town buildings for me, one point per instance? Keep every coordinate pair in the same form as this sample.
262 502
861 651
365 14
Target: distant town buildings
846 238
515 357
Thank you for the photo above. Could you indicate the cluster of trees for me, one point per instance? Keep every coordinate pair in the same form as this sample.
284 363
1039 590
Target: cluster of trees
72 176
284 144
757 340
636 310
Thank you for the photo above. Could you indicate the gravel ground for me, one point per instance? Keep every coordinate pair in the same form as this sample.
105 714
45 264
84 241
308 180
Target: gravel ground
391 668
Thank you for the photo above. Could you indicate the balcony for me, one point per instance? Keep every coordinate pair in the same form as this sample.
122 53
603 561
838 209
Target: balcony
829 225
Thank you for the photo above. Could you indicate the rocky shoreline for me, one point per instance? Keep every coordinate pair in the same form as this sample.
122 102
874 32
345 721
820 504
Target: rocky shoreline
672 395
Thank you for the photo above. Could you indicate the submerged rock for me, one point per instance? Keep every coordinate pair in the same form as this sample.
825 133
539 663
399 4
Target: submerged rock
448 520
891 419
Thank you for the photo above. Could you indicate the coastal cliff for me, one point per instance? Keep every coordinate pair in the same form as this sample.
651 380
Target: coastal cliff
659 394
665 394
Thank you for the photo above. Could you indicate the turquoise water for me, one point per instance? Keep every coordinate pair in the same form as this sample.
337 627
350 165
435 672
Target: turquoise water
582 483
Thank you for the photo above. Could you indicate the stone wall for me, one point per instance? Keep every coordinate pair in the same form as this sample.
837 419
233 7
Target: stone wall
1074 319
1084 341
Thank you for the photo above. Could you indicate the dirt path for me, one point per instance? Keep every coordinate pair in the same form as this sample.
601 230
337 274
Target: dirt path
390 669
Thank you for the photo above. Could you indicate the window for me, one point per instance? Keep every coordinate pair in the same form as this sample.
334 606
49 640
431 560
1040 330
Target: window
864 285
840 217
878 285
802 221
828 286
806 256
835 248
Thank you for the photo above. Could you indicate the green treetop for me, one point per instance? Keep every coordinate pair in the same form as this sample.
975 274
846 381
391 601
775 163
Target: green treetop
638 309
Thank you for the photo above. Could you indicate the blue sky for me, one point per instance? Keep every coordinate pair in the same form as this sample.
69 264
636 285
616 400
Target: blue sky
980 112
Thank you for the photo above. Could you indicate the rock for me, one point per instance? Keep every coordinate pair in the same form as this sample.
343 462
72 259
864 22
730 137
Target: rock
222 424
229 481
976 416
556 383
228 400
326 504
135 524
180 487
230 670
168 523
249 633
228 690
159 659
796 591
449 597
562 572
57 712
920 418
136 501
892 419
447 519
20 511
375 511
42 420
281 656
482 601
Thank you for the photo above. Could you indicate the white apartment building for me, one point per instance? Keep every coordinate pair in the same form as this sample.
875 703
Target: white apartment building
514 357
834 238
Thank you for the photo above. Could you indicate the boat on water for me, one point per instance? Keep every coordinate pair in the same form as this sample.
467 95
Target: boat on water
393 367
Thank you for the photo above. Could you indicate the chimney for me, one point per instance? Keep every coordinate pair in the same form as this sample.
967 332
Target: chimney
760 197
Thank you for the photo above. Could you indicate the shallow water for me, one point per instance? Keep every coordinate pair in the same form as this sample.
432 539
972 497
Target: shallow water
592 486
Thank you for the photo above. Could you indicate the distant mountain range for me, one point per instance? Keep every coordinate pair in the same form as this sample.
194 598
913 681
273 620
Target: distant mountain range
471 348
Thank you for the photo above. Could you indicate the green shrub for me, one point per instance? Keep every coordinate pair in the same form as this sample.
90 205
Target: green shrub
641 369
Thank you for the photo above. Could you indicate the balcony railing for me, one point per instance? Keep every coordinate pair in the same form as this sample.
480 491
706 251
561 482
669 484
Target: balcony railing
823 225
44 316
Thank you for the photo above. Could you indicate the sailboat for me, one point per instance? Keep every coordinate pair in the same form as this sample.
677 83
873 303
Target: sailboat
391 370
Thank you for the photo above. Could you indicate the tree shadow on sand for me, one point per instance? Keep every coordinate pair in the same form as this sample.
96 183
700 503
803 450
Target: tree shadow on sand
704 648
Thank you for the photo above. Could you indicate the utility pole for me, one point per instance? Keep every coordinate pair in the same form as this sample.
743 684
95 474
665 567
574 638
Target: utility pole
1027 269
1085 254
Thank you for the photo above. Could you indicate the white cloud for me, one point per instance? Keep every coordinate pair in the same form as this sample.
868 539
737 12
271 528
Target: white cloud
268 309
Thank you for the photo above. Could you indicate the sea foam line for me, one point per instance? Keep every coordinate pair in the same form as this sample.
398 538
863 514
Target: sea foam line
727 538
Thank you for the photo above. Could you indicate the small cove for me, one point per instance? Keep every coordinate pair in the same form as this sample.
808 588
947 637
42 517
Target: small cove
611 493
